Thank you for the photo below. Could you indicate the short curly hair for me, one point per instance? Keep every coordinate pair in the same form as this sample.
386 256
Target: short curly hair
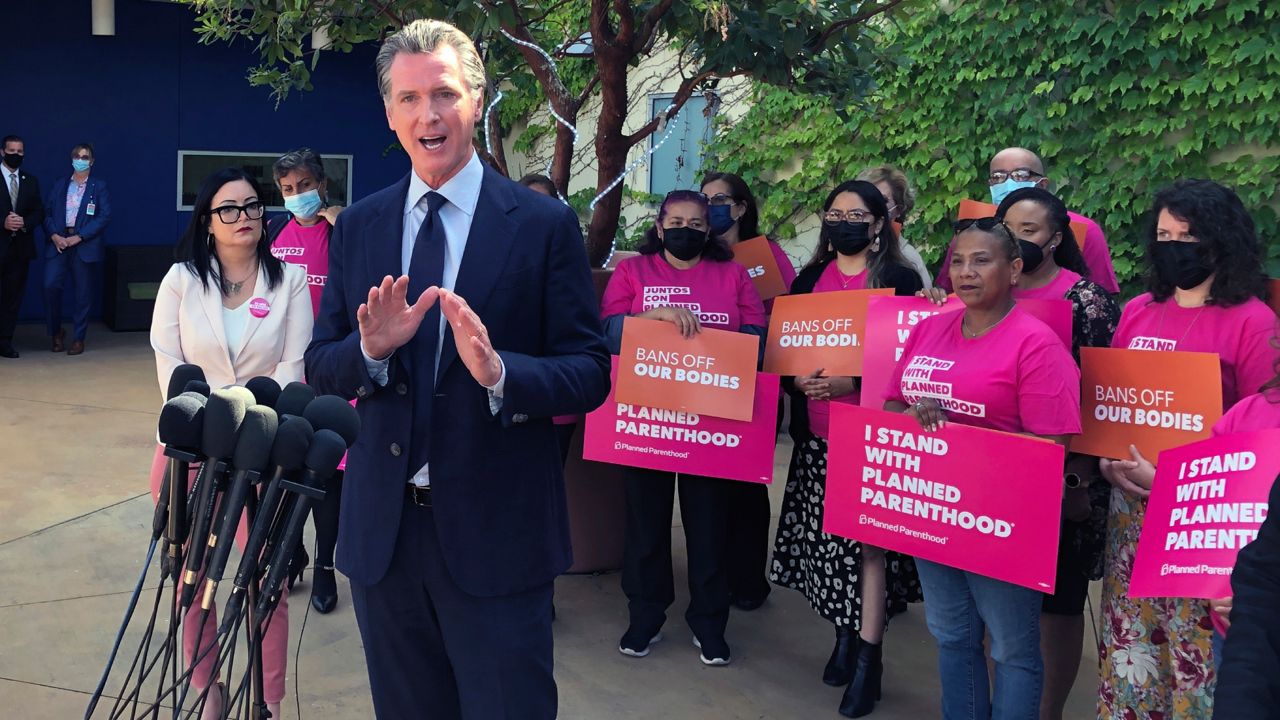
1228 240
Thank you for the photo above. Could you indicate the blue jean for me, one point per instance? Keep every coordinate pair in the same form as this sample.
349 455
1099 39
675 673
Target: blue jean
56 269
960 607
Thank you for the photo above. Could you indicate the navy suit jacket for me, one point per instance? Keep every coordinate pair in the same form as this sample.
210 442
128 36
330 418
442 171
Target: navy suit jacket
90 228
497 481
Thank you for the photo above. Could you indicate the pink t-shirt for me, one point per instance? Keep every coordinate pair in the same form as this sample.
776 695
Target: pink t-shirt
1056 289
1017 378
1241 335
832 280
720 294
1096 252
308 247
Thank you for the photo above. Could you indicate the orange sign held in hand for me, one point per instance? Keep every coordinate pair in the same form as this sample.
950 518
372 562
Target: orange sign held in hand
712 373
819 330
1155 400
973 209
757 257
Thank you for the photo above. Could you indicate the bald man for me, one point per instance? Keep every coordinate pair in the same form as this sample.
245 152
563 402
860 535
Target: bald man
1013 168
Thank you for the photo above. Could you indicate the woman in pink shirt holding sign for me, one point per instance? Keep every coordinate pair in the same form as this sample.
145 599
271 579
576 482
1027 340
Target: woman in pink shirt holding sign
1054 269
850 584
735 217
1205 288
686 277
992 366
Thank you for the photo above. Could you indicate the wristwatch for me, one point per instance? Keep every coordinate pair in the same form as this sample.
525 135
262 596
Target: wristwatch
1072 480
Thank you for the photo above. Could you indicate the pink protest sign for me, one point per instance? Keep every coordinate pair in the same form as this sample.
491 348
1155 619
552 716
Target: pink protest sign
890 321
1208 500
677 441
948 496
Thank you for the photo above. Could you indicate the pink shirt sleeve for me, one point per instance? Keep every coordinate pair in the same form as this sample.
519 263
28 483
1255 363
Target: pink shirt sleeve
750 309
1048 389
944 275
1097 255
620 293
1255 360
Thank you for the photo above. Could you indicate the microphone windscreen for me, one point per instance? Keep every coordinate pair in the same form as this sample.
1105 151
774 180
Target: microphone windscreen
294 399
293 439
257 433
326 451
202 399
182 423
197 386
222 417
182 375
330 412
265 390
243 393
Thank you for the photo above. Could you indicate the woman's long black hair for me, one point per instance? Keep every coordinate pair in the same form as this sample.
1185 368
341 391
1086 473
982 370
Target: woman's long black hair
196 247
1228 240
1067 255
888 254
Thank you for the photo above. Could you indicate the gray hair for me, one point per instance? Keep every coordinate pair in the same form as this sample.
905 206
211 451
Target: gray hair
425 36
301 159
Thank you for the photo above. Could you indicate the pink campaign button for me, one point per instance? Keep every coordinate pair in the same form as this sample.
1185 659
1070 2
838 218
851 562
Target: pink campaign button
259 307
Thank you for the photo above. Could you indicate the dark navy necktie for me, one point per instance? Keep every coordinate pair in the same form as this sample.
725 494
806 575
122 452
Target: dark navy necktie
426 268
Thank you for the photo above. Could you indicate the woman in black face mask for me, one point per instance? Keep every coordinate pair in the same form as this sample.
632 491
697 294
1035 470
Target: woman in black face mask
1205 289
850 584
687 278
1054 269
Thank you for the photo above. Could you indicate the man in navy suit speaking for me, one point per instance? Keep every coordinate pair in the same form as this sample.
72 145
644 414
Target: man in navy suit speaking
460 312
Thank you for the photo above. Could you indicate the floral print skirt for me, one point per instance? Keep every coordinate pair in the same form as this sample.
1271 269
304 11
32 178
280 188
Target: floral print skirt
1156 653
828 568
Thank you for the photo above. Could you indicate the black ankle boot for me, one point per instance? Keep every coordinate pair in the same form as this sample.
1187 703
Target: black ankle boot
864 690
324 589
839 670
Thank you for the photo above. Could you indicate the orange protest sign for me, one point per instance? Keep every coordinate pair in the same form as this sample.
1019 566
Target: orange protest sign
757 257
818 330
973 209
1155 400
712 373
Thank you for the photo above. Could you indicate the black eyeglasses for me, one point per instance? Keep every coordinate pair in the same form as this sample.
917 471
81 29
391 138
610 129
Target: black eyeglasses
986 224
1017 175
231 213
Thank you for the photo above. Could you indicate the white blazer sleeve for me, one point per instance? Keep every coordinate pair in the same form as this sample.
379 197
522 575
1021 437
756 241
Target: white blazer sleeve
166 337
298 323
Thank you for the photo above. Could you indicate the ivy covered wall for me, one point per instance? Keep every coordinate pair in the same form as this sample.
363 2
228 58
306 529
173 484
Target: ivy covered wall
1120 98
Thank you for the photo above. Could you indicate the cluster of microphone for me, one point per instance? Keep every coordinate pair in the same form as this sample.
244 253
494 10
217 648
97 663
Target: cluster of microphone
260 446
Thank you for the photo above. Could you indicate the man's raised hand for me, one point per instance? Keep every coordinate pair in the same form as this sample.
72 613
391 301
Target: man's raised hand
387 321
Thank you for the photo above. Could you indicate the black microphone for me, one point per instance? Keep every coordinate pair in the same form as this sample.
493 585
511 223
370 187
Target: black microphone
294 399
197 386
253 451
179 378
326 451
288 455
181 428
222 418
265 390
330 412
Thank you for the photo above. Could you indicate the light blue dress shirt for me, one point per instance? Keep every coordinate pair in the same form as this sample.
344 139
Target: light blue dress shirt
462 194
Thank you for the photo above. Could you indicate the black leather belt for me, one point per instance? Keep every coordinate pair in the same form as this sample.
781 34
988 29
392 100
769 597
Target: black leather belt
71 230
420 496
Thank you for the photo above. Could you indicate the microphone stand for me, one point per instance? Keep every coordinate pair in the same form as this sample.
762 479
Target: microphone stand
258 703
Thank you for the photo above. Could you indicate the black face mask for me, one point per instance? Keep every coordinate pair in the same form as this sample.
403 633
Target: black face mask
13 160
1032 256
1180 264
684 243
849 238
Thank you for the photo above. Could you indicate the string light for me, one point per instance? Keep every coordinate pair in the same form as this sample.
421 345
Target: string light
550 108
488 113
672 122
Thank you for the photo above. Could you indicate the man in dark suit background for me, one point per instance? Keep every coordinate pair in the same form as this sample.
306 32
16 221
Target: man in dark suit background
76 218
454 522
22 209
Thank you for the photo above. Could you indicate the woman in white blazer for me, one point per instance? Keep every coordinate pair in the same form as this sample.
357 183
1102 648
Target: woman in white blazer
232 308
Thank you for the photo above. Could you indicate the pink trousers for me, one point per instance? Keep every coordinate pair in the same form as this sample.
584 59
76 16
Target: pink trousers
274 643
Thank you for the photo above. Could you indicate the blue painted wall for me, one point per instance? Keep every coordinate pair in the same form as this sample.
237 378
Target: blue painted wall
151 90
